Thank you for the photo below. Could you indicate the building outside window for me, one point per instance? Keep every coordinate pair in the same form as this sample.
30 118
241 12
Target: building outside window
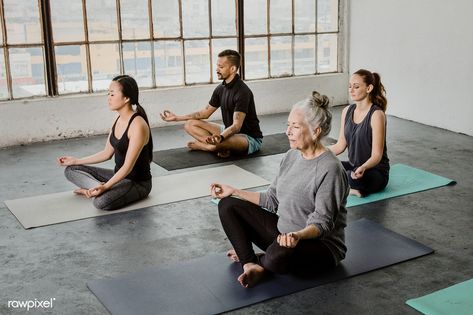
58 47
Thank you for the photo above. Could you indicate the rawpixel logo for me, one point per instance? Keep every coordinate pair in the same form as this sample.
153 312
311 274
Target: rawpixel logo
31 304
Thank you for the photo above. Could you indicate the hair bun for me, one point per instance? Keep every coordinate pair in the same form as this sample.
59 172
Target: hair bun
319 100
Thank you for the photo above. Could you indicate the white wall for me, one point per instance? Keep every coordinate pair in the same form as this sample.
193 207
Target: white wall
34 120
423 50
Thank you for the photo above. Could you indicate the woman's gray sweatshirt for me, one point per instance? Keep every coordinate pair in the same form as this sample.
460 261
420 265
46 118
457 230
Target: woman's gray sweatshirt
311 192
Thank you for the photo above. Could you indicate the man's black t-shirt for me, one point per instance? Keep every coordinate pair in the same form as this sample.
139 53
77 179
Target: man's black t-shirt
233 97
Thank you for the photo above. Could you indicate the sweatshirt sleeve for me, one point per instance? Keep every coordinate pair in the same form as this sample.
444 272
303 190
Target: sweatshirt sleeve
331 194
269 199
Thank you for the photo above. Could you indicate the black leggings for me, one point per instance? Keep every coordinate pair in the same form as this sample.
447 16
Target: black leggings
372 181
246 224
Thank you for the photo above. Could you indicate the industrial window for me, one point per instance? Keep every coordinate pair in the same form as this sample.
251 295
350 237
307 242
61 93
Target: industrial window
57 47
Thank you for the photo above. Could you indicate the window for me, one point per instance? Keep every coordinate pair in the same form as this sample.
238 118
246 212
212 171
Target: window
57 47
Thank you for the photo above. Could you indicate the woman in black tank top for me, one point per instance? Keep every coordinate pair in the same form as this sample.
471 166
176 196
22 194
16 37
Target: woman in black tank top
363 132
129 141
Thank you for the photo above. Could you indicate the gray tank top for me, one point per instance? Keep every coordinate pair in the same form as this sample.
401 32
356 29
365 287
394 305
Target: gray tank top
359 140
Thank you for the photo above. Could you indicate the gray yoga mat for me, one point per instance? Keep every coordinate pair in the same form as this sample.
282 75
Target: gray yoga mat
208 285
179 158
65 206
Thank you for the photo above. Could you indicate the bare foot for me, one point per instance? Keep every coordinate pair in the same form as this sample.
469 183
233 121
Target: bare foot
232 255
197 145
252 274
223 154
355 192
80 191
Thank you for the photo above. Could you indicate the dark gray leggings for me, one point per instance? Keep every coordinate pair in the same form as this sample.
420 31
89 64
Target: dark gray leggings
372 181
245 224
121 194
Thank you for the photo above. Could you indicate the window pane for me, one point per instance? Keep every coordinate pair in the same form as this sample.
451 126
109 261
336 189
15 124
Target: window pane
223 17
281 56
27 71
304 16
71 69
166 18
327 52
102 19
280 16
67 20
3 77
22 19
135 22
137 62
195 18
256 58
304 54
105 65
327 15
255 17
197 61
219 45
168 63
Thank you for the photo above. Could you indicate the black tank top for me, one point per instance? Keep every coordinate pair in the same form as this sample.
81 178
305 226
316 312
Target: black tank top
141 170
360 139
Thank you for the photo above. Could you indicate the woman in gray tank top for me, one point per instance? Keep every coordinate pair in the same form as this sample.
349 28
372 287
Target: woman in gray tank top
363 132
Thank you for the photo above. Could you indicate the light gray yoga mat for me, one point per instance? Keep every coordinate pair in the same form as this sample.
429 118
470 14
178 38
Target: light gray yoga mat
65 206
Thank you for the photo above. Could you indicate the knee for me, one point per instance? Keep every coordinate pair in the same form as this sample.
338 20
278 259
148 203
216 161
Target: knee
69 170
103 204
189 125
225 207
276 262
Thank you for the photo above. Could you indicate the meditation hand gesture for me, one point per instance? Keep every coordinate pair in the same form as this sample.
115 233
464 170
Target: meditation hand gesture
358 173
96 191
221 191
288 240
214 139
168 116
66 160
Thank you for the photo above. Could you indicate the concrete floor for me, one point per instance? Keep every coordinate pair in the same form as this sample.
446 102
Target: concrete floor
56 261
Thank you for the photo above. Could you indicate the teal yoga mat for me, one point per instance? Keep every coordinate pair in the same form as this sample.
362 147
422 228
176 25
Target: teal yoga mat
457 299
403 180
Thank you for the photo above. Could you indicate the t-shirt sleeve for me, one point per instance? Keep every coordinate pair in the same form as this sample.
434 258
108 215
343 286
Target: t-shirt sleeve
215 99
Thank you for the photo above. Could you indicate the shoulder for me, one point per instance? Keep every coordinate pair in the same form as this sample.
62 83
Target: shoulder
242 88
218 88
346 109
329 164
138 125
289 157
378 115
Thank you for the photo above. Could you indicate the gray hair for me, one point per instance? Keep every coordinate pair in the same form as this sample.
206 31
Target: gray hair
316 113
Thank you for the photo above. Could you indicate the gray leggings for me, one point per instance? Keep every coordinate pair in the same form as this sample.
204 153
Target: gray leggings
120 195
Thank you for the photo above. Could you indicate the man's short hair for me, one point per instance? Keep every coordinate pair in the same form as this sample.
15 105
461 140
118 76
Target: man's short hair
232 56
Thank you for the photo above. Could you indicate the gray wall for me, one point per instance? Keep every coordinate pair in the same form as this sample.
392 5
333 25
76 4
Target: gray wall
423 50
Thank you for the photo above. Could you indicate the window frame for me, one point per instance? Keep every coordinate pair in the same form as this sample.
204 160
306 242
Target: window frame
48 45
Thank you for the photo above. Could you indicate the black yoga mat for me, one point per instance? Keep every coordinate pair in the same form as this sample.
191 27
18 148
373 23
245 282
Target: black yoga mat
174 159
208 285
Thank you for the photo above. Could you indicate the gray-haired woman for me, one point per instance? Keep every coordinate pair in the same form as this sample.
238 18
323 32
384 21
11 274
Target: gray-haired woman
304 227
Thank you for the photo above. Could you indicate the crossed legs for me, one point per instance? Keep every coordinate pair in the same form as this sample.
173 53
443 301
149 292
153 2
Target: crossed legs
200 130
246 224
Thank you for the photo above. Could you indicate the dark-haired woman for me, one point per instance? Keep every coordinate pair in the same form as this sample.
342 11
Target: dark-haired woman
309 196
129 141
363 132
